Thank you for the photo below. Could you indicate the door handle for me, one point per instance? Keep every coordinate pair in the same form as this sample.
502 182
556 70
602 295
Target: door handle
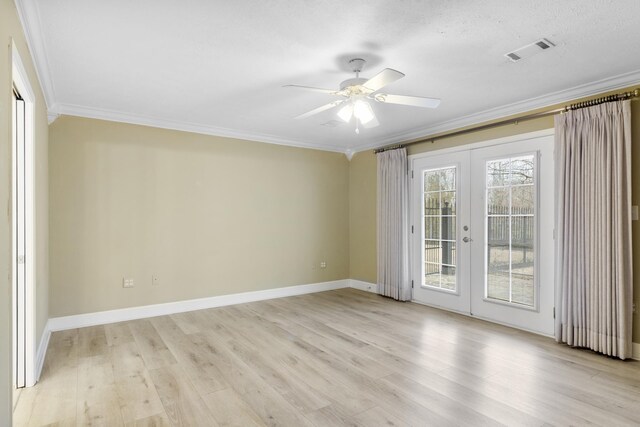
467 239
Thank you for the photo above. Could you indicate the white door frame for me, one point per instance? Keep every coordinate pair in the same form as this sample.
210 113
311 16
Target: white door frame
468 147
21 83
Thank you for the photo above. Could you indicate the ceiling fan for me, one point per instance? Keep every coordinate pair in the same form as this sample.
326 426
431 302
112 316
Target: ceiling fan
357 93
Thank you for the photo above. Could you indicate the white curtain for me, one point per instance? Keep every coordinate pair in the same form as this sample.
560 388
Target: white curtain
593 226
393 225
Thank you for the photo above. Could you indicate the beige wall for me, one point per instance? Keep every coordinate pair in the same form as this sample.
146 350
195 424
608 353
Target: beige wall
10 28
362 181
362 217
207 215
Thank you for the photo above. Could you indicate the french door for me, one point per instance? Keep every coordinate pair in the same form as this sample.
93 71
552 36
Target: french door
440 231
482 235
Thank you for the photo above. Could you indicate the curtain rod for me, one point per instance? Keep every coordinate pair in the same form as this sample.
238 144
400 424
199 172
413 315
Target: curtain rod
610 98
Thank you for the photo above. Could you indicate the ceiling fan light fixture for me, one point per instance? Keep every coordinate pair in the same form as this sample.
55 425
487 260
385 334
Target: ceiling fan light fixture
363 112
346 112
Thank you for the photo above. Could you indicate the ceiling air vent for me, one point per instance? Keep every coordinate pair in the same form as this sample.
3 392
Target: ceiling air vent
529 50
512 56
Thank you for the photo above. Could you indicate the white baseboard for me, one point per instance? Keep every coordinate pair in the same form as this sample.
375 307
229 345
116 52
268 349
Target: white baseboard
141 312
42 349
363 286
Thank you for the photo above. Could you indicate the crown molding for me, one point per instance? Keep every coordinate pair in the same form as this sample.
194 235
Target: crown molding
30 20
136 119
566 95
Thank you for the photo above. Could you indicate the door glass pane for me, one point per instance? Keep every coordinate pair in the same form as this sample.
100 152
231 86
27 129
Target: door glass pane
522 260
522 170
448 203
498 173
439 232
498 257
432 227
510 224
498 201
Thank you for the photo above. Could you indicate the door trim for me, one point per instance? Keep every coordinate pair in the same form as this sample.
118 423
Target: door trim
20 80
483 144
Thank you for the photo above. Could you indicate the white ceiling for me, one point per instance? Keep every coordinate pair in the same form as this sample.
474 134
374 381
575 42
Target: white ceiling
218 67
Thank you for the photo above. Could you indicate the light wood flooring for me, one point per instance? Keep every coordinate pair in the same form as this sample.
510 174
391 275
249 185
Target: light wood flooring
334 358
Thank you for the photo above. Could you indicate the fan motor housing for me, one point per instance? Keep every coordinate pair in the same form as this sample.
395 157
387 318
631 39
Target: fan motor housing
352 82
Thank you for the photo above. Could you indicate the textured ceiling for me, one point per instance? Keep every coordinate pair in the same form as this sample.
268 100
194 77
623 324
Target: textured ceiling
219 66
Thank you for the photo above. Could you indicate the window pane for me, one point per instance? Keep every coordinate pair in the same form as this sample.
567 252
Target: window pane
498 201
432 203
522 232
432 251
448 228
432 180
498 173
449 278
448 205
498 258
431 275
522 170
522 200
432 227
448 253
448 179
498 230
522 261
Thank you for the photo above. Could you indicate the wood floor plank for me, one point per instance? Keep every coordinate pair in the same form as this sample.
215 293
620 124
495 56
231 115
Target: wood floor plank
343 358
182 403
299 395
378 417
158 420
297 360
153 350
97 398
118 333
229 410
272 408
204 375
136 394
92 341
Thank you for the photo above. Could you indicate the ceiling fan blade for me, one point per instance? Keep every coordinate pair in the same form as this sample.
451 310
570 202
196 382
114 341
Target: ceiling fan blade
414 101
314 89
319 109
371 123
382 79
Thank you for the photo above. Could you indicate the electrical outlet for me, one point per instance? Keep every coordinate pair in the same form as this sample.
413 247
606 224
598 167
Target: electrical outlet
323 264
155 280
127 283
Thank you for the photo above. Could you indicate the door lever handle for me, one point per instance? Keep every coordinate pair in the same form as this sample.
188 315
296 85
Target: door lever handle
467 239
